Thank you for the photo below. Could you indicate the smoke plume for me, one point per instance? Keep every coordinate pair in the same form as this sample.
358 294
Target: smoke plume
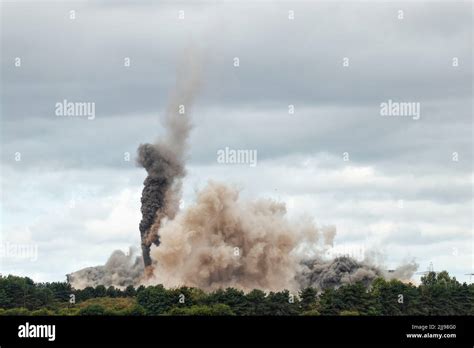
164 162
342 270
220 241
120 270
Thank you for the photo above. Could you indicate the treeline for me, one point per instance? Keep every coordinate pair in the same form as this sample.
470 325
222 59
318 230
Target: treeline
438 294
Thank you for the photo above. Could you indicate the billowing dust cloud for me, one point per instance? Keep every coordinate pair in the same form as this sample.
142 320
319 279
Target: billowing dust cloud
223 242
220 241
120 270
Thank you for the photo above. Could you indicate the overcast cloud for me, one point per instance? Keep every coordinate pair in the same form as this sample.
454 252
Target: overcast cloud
74 195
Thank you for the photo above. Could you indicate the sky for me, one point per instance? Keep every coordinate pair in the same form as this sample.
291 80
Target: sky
395 187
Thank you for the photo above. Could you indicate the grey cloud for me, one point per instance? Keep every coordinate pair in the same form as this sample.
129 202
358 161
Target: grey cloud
281 63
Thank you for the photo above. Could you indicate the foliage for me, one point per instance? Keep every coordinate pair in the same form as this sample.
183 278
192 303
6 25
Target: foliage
438 294
156 300
93 309
213 310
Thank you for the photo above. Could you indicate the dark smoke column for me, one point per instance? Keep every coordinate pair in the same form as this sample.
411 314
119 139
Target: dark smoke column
149 208
164 160
163 168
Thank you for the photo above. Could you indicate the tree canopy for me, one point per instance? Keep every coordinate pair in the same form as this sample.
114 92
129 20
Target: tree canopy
437 294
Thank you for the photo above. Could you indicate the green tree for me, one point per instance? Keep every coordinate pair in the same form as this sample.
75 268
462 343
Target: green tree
94 309
329 302
85 294
202 310
439 293
100 291
234 298
112 292
256 303
23 292
308 298
60 290
282 303
155 300
130 291
388 296
136 310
